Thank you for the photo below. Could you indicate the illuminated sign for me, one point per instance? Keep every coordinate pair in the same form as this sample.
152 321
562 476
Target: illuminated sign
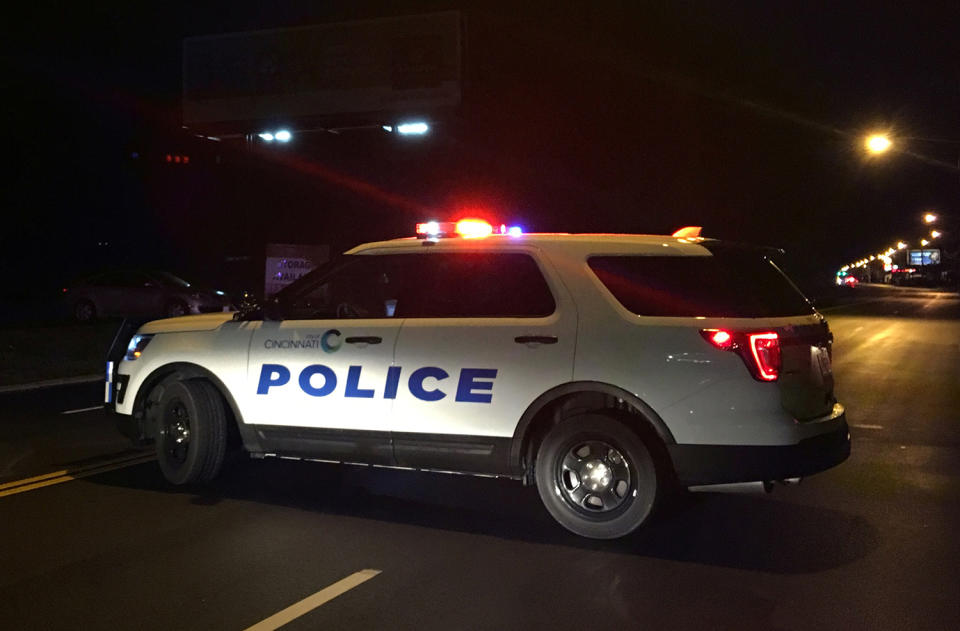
286 263
924 257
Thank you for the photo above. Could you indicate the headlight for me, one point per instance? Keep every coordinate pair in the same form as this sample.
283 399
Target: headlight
135 347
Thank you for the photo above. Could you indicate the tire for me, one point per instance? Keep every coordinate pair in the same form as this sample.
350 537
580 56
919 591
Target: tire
606 506
191 432
175 309
84 311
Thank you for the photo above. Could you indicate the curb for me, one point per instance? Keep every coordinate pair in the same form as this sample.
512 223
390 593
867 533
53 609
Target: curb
50 383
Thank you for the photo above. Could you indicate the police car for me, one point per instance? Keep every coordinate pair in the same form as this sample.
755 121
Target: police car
606 369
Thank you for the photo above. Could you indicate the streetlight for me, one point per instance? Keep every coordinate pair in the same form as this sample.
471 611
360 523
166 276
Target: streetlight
901 245
929 218
877 143
935 234
413 129
924 242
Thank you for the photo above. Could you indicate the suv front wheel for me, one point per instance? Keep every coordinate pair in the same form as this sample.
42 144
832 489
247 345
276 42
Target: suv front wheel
596 476
191 432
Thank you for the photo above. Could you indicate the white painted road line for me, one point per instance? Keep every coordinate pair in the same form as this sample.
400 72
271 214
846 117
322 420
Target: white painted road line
310 603
90 409
51 383
66 475
866 426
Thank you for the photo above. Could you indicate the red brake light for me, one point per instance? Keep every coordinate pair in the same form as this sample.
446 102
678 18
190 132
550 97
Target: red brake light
765 348
719 338
759 351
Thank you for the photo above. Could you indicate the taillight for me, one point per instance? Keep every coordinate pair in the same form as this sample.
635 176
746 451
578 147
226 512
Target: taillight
719 338
760 350
765 349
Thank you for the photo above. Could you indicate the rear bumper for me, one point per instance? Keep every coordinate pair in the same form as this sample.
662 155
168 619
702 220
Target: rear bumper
721 464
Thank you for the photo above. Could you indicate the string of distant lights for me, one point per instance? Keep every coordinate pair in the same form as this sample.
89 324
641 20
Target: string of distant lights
886 257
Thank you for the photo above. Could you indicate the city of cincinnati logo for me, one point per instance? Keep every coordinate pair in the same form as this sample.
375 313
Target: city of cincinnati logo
327 345
330 342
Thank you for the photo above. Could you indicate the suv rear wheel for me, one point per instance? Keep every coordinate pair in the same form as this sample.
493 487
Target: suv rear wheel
596 476
191 432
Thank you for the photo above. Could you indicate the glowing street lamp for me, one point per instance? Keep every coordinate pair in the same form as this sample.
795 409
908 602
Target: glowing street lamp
877 143
901 245
413 129
935 234
929 218
924 242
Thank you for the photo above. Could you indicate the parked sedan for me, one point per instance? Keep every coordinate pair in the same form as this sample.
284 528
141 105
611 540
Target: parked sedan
142 294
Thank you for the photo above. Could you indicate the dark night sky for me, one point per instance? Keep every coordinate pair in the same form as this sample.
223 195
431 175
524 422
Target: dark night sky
641 117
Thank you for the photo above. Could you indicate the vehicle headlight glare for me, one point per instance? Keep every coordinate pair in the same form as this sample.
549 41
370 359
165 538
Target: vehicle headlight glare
135 347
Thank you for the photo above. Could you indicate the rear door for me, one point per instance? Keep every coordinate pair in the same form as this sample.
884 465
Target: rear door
484 334
740 288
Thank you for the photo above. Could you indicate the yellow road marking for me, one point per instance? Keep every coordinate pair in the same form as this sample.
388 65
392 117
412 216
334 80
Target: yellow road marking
310 603
45 476
58 477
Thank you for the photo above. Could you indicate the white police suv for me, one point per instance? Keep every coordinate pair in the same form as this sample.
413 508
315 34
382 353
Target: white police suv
604 368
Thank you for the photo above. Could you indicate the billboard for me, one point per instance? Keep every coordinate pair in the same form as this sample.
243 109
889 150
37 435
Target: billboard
390 65
286 263
924 257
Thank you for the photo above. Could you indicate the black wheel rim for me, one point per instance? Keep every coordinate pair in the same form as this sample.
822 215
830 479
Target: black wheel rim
594 478
176 432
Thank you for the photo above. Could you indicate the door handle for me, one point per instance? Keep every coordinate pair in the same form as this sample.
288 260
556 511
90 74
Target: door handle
536 339
372 339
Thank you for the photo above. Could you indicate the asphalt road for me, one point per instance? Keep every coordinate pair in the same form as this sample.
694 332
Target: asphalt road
872 544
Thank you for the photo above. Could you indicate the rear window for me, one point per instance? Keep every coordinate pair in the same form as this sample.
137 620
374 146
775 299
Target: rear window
742 284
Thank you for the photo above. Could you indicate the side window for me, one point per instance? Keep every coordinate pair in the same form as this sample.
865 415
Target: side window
137 279
475 285
361 287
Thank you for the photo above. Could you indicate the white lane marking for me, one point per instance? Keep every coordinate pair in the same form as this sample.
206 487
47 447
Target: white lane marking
310 603
866 426
66 475
51 383
90 409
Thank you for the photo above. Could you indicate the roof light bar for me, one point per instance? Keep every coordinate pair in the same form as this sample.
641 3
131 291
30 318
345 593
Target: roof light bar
464 228
474 228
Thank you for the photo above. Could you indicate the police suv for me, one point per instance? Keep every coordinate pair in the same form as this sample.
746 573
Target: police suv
607 369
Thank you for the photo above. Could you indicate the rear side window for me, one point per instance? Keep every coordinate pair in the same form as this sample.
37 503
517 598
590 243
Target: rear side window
474 285
726 285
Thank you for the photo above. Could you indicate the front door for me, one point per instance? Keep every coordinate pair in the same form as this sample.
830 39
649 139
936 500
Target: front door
320 381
